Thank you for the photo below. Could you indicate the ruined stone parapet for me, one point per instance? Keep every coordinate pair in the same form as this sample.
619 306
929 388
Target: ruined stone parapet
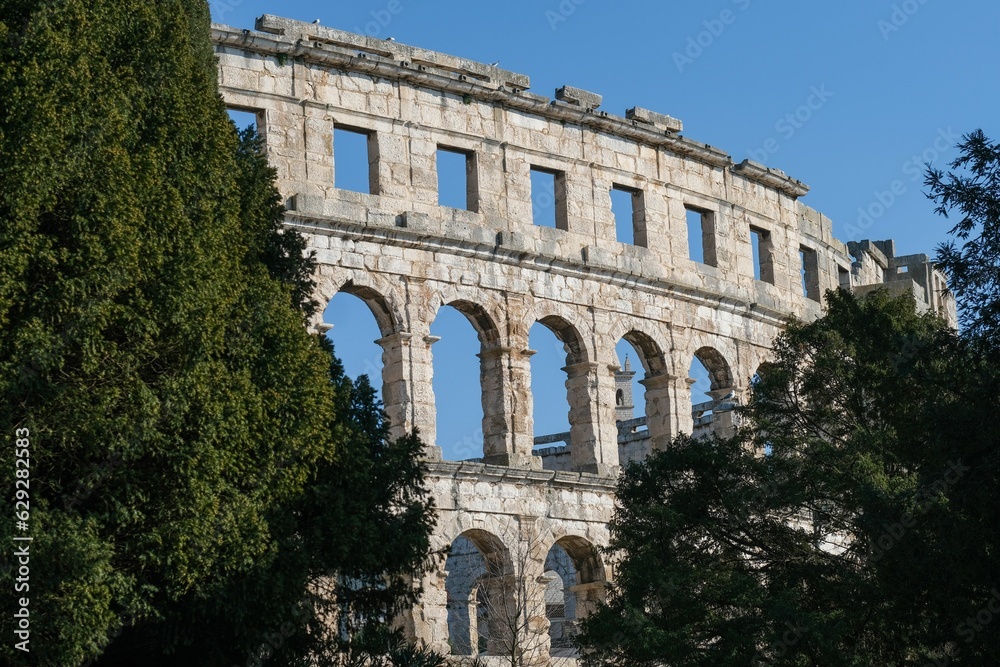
876 266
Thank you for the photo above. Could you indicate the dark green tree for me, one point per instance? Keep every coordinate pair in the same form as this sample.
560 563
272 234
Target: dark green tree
972 191
206 485
853 520
848 523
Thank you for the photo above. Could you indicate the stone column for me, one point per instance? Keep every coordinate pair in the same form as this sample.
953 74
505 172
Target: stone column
588 596
505 377
407 392
682 404
521 420
660 418
501 593
725 421
592 427
516 616
427 620
497 446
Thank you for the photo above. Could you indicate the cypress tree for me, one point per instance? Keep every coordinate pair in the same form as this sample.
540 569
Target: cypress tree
182 422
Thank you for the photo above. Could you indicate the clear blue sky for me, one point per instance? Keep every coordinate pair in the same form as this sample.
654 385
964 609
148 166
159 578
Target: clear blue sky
849 97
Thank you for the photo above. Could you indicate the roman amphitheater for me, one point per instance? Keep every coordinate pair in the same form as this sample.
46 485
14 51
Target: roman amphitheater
522 524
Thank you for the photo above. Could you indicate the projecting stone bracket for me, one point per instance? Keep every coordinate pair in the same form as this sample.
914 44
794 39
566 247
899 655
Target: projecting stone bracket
771 177
578 97
658 120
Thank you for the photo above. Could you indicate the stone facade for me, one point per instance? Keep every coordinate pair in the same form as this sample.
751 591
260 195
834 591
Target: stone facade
406 256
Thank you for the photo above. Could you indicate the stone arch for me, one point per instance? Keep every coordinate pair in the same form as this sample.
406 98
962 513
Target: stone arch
644 341
495 552
763 368
378 294
582 586
719 371
485 313
494 531
717 414
569 324
569 336
399 365
650 353
593 443
388 323
586 558
651 426
494 381
555 345
484 323
477 562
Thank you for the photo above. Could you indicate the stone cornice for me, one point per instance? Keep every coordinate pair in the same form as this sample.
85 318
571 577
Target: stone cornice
771 177
482 472
490 250
357 53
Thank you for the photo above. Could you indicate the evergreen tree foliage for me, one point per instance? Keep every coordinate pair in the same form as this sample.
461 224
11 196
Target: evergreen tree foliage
206 485
851 522
972 190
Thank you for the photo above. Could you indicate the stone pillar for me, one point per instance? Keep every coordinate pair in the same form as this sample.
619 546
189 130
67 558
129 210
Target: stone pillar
516 616
505 378
592 427
588 596
407 392
535 640
502 596
497 446
682 404
725 421
427 620
660 417
522 422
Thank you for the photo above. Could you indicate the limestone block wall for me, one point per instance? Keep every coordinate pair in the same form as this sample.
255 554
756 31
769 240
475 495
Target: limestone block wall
406 256
498 524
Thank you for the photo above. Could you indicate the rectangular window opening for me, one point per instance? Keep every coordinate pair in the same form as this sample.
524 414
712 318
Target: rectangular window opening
763 262
355 160
548 198
628 207
243 118
843 277
701 235
810 273
457 183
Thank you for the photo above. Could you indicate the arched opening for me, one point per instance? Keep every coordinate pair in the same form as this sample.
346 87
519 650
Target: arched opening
701 402
550 407
462 329
574 583
558 349
764 447
560 601
353 329
762 371
476 566
709 375
636 397
629 403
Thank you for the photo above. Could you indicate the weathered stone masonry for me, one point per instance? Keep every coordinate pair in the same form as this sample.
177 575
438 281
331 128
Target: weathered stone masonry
406 257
